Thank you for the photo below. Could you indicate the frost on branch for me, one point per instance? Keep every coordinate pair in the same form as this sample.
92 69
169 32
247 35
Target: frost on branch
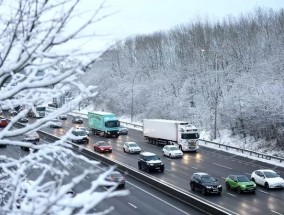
39 62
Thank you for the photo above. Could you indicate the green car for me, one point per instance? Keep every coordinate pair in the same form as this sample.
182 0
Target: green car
241 183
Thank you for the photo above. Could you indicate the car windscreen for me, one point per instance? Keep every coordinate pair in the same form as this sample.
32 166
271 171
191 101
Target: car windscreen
103 144
152 157
190 136
112 124
80 133
207 179
132 145
173 148
40 108
270 174
243 179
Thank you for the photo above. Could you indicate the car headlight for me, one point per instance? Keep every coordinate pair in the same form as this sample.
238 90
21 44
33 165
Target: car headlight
219 186
162 163
151 164
208 187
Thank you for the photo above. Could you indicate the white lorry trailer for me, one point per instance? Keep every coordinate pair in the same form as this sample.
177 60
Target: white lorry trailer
171 132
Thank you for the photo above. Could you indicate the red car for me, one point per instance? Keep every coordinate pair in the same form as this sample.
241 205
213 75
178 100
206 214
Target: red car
102 146
3 122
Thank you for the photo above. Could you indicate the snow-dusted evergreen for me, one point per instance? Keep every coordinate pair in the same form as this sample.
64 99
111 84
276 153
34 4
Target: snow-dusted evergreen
38 61
232 69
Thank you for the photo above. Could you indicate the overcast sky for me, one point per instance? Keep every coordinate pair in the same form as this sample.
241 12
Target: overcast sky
146 16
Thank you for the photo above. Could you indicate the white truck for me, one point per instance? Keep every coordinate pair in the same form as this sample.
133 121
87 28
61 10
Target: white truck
171 132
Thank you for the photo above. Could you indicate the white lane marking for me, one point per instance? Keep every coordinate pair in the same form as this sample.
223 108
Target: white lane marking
223 178
231 194
132 205
222 166
168 170
156 197
263 192
194 167
276 212
169 159
248 173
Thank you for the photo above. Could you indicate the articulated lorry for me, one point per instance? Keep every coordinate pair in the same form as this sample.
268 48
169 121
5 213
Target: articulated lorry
171 132
103 123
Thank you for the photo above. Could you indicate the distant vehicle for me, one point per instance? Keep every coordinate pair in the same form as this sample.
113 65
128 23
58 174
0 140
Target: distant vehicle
116 177
25 148
23 120
3 122
12 112
241 183
81 135
63 117
123 130
56 123
32 136
267 178
84 129
102 146
172 151
205 183
131 147
171 132
77 120
103 123
149 161
39 112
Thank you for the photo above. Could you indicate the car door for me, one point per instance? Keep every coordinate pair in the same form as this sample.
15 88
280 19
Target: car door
257 177
197 182
233 182
262 178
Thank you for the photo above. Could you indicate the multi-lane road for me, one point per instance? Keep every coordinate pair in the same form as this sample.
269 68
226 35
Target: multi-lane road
217 163
141 200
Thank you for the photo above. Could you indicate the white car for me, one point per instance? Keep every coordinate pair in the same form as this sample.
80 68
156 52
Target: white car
267 178
63 117
56 123
32 136
172 151
131 147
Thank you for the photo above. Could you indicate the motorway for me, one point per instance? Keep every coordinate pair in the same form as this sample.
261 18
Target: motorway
217 163
141 200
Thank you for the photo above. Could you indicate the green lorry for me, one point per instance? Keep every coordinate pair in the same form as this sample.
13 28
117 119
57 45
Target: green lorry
103 123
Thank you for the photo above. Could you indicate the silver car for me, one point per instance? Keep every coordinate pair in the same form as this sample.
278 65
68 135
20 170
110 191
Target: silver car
131 147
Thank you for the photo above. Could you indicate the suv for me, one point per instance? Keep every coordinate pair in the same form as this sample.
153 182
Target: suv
149 161
83 137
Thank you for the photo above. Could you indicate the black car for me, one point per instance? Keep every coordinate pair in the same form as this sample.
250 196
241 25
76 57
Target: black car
149 161
116 176
77 120
23 120
13 112
205 183
123 130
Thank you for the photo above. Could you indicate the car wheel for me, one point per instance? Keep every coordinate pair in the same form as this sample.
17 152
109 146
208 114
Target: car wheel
227 186
266 185
253 192
148 169
239 190
203 191
139 166
253 180
110 151
164 153
162 169
124 150
170 155
192 187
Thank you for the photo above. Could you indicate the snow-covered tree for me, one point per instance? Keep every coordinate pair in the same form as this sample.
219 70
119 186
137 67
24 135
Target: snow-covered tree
40 58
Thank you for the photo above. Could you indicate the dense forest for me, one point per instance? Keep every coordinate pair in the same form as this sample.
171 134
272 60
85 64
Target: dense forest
231 71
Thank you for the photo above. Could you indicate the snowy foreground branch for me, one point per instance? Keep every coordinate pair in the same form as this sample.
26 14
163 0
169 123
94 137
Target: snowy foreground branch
40 58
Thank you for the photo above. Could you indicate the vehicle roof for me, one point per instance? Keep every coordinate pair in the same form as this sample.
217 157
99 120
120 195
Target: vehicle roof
265 170
171 146
201 173
147 153
237 175
101 113
130 142
166 120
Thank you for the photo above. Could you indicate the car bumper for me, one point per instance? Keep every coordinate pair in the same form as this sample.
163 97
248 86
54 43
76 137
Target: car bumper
135 152
276 186
213 190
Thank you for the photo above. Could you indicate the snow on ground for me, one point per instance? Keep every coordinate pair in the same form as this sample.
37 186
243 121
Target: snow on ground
226 138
